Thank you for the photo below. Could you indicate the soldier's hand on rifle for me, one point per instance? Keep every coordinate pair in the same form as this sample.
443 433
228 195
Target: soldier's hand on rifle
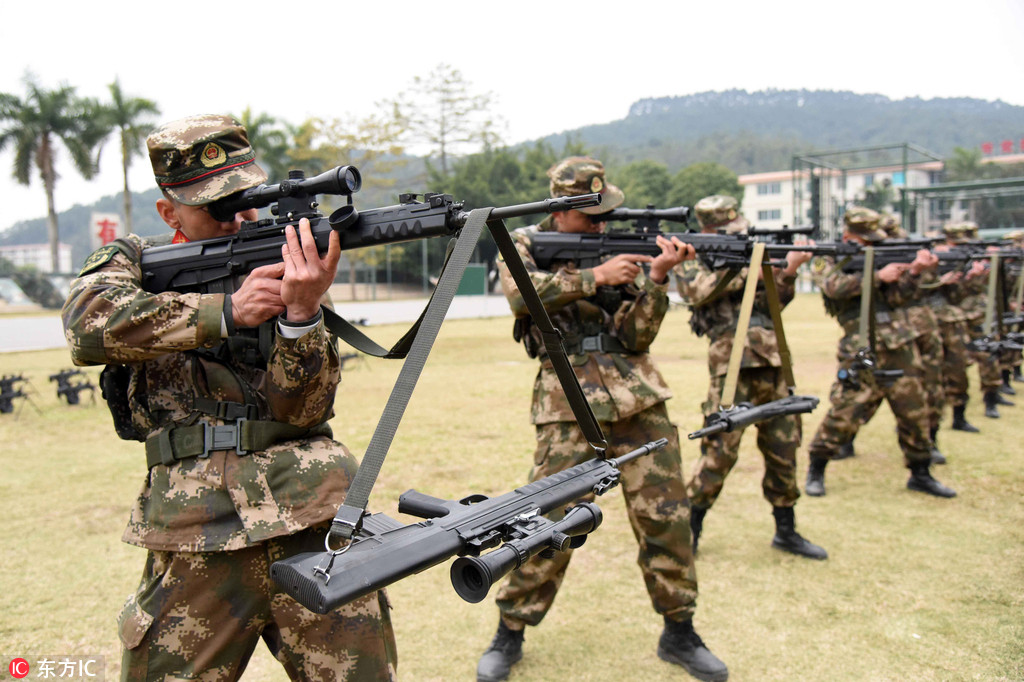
307 276
978 268
672 254
951 277
794 259
891 272
620 269
923 260
259 297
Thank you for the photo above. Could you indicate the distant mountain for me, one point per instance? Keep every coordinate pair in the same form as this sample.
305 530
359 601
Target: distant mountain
761 131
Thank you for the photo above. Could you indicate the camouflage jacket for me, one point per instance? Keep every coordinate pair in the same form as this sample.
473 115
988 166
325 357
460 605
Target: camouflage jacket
617 385
717 318
841 293
975 297
923 302
226 501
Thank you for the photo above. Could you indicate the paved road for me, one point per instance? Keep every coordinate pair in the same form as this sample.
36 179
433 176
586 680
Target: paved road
42 332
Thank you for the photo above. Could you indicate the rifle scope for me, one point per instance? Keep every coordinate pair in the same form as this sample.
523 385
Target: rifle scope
344 180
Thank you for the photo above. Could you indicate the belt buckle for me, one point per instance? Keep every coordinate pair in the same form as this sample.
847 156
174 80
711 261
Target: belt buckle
223 437
591 344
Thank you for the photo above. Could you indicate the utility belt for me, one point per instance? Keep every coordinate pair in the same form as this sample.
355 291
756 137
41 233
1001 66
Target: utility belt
598 343
757 319
851 313
936 300
245 435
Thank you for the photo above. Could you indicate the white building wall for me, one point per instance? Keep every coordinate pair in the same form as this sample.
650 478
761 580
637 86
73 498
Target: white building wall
38 256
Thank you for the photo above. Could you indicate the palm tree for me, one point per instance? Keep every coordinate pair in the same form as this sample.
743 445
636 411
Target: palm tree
35 124
271 142
129 117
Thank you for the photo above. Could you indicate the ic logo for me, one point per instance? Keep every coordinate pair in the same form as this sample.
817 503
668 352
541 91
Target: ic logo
18 668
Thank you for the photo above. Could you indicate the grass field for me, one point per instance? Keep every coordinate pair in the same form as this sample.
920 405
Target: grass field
916 588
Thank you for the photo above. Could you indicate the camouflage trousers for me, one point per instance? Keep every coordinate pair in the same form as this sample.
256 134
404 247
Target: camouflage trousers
930 348
988 363
778 440
199 616
655 502
954 362
853 406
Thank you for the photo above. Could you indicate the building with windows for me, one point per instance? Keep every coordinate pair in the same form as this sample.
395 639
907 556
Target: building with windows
38 256
778 198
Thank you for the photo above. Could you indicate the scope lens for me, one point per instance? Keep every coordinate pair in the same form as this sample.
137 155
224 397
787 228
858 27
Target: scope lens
352 180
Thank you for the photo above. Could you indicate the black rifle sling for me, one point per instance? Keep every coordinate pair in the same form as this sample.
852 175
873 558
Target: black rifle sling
348 520
552 337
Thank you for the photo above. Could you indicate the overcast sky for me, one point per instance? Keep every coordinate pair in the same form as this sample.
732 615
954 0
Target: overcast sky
551 66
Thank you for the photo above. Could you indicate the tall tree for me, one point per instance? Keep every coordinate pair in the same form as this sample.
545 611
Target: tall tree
441 111
699 180
964 164
644 183
34 125
129 116
272 142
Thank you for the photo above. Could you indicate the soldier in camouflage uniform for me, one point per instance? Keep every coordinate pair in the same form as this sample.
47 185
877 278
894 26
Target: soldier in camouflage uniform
213 520
715 313
921 316
953 330
973 304
854 403
609 316
1014 271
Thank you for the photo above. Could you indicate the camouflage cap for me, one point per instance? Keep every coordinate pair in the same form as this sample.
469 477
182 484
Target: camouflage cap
199 159
720 212
1014 235
956 232
891 224
863 222
584 175
971 228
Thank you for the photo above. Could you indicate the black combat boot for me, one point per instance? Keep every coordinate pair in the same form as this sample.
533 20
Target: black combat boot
505 651
1000 400
696 524
921 480
960 422
679 644
1007 388
1017 376
815 486
991 398
846 450
937 457
788 540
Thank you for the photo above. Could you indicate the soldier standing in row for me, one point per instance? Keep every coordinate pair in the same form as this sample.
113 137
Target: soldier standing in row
973 304
855 399
213 517
715 313
609 316
953 330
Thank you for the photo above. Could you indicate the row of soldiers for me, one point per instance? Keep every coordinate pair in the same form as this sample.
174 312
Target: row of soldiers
925 324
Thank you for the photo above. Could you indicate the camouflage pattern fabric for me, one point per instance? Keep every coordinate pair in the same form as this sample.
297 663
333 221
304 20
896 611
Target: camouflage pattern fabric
760 380
199 159
778 440
213 524
627 395
617 385
226 501
929 346
721 213
953 333
895 349
655 502
174 621
973 305
578 175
